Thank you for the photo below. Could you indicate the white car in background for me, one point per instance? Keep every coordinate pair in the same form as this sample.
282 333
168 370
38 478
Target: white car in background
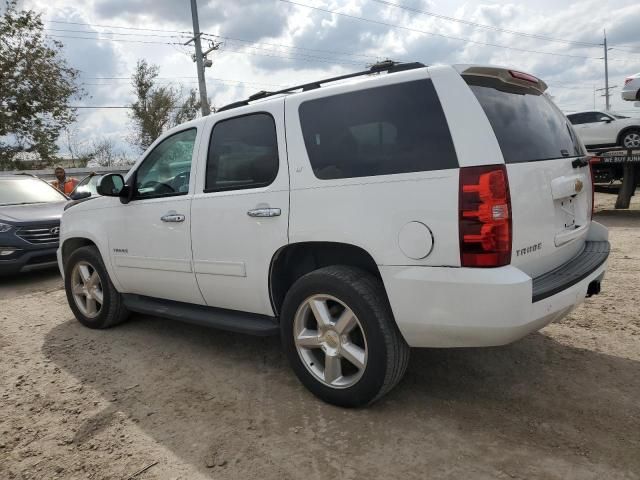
597 128
631 89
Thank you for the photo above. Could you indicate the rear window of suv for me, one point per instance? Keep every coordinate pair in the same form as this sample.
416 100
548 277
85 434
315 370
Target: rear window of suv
527 124
378 131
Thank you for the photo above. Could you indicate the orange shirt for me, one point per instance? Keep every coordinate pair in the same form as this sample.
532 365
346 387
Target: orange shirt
67 186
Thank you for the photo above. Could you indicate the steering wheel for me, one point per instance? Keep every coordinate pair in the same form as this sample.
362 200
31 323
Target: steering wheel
158 187
180 180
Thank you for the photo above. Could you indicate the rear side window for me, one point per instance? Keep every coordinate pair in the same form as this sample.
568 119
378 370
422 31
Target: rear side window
379 131
243 153
527 124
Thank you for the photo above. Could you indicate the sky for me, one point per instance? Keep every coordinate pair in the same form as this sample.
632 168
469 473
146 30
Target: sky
268 44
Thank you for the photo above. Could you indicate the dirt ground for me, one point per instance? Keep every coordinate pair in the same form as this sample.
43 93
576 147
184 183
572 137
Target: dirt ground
192 403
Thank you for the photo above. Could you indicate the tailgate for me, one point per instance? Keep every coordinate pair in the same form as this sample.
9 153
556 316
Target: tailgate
549 181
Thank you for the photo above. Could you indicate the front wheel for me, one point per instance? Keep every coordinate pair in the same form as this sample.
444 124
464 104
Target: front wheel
92 297
340 336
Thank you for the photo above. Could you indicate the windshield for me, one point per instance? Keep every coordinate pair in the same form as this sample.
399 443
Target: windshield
619 116
526 122
22 191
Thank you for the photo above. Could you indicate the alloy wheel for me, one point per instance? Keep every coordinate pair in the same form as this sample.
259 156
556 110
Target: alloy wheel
330 341
632 140
86 287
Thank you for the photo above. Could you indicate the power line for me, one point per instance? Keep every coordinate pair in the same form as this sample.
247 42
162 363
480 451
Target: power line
114 40
122 27
122 81
624 50
401 27
129 78
114 33
315 59
291 46
301 56
488 27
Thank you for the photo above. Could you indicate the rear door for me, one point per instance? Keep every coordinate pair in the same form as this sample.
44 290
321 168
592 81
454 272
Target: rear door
550 191
240 213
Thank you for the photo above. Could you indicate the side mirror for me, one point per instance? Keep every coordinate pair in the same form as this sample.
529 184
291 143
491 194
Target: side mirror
110 185
80 195
608 120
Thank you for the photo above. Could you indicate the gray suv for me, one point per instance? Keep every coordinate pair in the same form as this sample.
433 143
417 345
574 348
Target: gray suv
30 211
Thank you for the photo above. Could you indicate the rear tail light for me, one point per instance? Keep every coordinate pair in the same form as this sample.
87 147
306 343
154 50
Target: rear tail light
627 80
484 216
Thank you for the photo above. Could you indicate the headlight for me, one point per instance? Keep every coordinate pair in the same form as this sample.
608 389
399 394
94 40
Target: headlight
5 227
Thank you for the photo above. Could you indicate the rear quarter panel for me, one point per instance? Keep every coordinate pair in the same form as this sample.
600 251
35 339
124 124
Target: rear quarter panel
369 212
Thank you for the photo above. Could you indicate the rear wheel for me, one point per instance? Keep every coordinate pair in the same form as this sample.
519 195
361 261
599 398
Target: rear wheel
340 336
92 297
631 139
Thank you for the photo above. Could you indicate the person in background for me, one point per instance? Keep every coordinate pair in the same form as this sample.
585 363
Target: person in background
62 183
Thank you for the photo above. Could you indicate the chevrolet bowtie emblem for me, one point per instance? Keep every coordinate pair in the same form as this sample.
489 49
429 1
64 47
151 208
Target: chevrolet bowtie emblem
578 186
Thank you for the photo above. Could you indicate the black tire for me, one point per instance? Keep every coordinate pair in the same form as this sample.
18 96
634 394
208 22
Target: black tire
364 294
112 310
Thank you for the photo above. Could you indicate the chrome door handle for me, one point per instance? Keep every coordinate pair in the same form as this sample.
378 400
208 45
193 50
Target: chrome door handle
172 217
264 212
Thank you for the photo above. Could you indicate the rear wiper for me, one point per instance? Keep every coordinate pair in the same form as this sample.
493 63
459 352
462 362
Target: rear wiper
580 162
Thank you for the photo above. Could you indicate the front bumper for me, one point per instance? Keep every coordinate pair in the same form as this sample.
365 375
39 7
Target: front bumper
29 260
471 307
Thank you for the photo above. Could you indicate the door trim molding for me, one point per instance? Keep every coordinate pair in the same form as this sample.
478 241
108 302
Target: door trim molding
152 263
231 269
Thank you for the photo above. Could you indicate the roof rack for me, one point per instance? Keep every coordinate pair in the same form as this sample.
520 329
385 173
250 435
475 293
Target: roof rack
388 66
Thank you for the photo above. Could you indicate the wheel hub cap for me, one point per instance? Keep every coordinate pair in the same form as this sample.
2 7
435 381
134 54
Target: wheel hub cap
632 140
86 288
330 341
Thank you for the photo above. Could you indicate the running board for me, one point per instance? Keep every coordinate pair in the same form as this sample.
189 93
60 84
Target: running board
231 320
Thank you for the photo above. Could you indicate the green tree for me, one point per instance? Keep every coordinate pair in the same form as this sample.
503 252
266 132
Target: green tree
36 86
157 107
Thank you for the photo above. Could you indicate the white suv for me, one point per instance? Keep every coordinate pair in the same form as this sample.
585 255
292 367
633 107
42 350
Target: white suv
405 206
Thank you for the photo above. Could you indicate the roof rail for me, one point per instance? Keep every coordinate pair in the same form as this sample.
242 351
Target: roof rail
388 66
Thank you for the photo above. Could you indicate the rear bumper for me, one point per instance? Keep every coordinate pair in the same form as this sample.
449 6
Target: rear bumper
467 307
629 94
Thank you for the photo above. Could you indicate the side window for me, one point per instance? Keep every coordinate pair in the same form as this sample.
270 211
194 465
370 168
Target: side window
379 131
167 169
576 118
591 117
243 153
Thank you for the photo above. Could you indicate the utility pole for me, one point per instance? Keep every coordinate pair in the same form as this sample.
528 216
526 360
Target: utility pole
606 70
202 86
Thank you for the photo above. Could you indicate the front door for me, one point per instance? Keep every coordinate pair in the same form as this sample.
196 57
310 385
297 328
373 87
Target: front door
596 130
240 210
149 238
